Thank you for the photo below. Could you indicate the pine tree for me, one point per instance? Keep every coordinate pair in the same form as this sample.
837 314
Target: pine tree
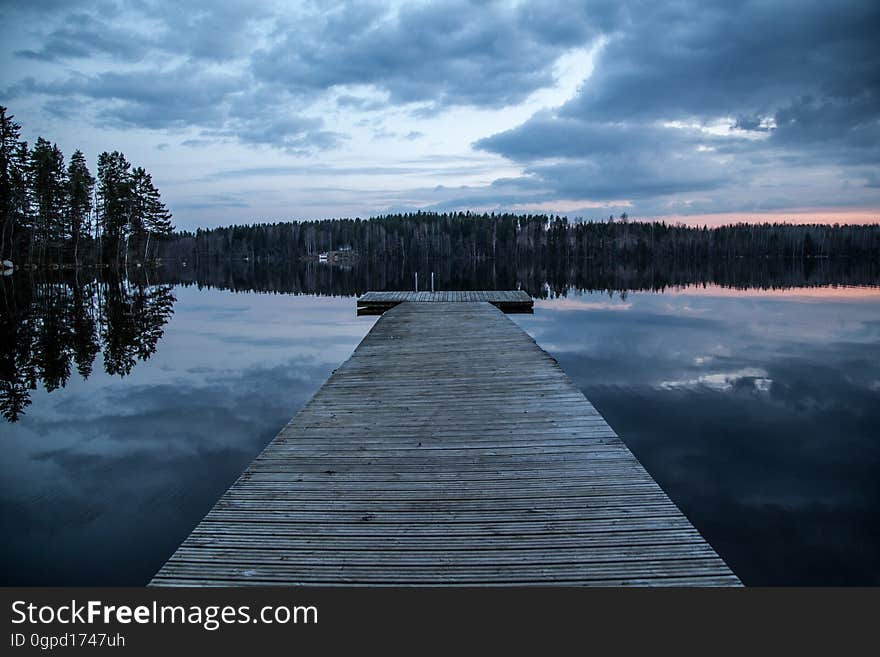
140 186
47 187
80 186
11 177
114 199
152 217
158 219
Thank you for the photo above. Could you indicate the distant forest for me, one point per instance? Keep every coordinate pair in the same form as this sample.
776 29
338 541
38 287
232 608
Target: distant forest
52 214
425 236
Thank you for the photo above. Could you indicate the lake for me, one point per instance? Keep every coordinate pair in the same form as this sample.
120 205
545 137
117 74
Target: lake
757 410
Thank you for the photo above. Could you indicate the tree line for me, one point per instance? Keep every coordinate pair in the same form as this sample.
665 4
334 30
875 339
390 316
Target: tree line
52 213
423 236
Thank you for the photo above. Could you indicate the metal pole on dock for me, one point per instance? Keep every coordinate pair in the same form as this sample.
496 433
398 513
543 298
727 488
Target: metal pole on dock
432 281
417 281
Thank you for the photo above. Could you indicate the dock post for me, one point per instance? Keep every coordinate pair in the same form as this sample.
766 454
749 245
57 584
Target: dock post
417 281
432 281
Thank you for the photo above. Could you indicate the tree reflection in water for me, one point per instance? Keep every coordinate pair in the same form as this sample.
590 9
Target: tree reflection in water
51 324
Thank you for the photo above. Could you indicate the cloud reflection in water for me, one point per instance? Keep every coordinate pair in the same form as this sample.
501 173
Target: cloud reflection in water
757 413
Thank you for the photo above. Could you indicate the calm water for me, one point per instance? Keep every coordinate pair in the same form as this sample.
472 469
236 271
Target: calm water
758 412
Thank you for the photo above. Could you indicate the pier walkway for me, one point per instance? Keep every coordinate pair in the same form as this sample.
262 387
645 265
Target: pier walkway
448 450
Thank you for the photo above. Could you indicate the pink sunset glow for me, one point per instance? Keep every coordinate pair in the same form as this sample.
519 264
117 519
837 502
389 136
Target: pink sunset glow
794 216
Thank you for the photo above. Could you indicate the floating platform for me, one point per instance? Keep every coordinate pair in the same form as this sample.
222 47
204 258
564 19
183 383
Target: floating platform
509 301
448 450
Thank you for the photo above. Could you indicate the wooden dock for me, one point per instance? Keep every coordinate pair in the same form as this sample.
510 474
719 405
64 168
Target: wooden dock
448 450
509 301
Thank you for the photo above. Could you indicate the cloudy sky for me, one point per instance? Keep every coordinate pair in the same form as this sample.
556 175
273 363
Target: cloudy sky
246 111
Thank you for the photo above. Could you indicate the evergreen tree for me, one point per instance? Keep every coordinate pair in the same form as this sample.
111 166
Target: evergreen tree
80 186
140 184
11 181
47 186
52 212
150 216
23 222
114 200
158 218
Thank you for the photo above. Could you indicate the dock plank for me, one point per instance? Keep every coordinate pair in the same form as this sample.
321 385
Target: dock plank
448 450
509 301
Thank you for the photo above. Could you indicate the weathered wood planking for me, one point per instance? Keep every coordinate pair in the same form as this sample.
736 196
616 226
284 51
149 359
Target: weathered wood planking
510 301
448 450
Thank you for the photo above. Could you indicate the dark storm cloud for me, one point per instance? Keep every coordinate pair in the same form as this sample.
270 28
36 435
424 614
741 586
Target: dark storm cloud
633 177
698 58
84 35
800 82
847 129
625 159
216 30
151 99
179 79
295 134
700 106
456 53
203 30
462 53
223 105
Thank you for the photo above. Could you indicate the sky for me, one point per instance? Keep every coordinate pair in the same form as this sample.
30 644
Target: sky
700 112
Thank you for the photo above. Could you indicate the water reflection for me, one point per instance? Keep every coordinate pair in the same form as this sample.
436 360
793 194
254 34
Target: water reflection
758 413
50 323
540 278
49 326
102 480
757 410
